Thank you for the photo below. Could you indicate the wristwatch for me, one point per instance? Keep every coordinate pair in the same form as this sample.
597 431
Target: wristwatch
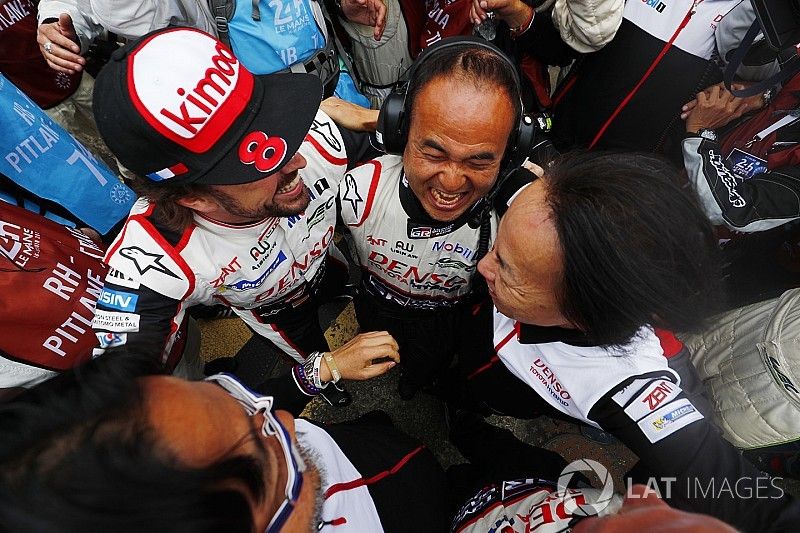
767 95
708 134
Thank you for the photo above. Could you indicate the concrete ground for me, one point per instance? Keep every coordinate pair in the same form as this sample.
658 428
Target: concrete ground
422 417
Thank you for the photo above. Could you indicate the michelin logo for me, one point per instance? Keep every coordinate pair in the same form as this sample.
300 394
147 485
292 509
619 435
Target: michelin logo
246 284
669 419
121 301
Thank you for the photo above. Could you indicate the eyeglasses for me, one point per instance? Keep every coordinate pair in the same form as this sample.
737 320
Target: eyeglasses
295 466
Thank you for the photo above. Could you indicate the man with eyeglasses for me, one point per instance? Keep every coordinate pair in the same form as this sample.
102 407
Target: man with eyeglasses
111 447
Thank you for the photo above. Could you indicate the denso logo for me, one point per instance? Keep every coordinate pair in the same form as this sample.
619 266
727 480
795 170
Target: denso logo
549 380
183 111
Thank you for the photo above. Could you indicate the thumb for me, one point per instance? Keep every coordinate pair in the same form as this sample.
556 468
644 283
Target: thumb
65 22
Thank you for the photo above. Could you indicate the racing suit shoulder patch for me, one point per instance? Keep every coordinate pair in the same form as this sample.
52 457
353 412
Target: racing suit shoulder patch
324 143
143 256
668 419
357 192
652 397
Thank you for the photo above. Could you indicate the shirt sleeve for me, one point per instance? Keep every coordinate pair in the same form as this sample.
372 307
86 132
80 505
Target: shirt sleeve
760 203
697 469
132 315
587 25
86 27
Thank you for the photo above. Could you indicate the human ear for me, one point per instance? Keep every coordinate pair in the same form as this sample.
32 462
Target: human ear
199 203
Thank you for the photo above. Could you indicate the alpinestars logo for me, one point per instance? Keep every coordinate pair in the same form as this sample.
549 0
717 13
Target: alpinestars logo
145 261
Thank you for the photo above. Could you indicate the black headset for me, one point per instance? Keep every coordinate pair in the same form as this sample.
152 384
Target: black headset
392 128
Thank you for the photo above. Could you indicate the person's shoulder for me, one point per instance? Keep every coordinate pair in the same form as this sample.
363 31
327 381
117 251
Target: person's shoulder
149 254
324 145
361 186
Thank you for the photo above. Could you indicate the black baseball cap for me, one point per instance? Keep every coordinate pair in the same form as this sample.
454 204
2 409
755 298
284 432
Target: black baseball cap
177 105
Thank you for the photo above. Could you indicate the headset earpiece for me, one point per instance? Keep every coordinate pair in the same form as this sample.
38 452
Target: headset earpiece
521 143
392 127
391 130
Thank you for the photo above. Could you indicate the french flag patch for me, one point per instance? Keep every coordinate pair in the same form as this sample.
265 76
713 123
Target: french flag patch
167 173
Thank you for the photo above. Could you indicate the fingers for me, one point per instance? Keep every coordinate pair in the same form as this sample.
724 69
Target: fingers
380 21
686 109
67 28
378 369
477 13
60 52
533 167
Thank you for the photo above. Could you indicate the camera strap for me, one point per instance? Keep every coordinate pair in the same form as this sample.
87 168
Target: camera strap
788 70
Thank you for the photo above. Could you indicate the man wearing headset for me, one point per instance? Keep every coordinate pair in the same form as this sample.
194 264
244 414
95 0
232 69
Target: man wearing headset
417 215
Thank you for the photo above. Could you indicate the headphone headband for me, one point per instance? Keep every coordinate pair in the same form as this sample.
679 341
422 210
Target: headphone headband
393 119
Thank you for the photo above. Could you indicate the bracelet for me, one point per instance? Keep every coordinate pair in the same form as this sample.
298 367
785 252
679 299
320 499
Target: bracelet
519 30
312 368
305 384
332 367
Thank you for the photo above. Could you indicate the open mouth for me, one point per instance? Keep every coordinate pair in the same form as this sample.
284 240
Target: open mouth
292 187
446 200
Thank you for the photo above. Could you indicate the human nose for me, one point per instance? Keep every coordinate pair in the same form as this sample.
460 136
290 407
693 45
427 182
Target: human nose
287 420
485 267
295 163
451 178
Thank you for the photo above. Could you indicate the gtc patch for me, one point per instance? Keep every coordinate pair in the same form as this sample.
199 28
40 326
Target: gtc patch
108 339
657 394
669 419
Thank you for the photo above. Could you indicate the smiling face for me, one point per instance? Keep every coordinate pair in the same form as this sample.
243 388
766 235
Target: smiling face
524 268
200 424
456 140
282 194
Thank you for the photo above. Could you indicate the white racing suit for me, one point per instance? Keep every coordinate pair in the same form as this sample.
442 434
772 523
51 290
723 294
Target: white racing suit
268 272
638 392
417 273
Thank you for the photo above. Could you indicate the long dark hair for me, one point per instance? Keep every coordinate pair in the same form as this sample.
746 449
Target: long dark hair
637 248
165 198
78 455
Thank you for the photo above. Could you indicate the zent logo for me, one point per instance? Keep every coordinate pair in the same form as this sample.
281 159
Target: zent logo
263 151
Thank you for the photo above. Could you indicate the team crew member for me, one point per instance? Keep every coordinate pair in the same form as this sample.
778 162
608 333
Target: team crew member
579 269
747 176
234 209
457 126
628 95
110 449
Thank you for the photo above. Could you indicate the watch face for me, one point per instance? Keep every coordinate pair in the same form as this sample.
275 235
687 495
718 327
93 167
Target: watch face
711 135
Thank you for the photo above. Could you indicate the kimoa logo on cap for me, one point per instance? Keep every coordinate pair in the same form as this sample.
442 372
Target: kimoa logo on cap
218 80
188 87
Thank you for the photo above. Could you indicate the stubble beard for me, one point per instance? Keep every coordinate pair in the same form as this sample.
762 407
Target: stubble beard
268 210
